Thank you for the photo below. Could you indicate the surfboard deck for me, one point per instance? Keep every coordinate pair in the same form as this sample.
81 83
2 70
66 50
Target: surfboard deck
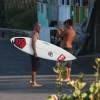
44 49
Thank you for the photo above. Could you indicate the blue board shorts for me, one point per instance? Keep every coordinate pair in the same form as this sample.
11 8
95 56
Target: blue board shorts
68 63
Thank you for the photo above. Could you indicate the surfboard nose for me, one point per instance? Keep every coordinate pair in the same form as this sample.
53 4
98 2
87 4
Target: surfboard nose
74 58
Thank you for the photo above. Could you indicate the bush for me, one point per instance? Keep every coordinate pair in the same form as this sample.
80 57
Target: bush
78 85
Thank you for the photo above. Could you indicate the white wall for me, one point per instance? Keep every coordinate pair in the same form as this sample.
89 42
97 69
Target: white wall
64 13
45 34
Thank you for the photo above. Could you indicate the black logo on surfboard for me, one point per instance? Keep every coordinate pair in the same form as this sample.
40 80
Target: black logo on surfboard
50 54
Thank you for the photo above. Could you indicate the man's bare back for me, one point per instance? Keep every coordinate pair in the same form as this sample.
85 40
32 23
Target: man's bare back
69 37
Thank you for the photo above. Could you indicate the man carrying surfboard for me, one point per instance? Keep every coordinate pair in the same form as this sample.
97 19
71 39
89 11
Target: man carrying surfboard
68 35
35 59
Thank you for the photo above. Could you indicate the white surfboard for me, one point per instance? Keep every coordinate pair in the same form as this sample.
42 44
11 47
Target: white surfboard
44 49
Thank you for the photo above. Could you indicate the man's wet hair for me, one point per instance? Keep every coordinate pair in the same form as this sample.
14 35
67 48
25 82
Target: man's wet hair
68 22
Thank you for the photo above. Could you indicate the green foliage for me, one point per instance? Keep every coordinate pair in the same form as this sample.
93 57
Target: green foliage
52 97
66 97
21 18
78 85
97 68
95 86
94 91
60 69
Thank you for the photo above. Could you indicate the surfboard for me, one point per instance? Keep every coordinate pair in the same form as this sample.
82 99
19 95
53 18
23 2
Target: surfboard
44 49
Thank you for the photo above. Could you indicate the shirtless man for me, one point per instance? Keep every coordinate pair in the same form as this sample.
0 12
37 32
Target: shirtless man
68 39
35 59
67 35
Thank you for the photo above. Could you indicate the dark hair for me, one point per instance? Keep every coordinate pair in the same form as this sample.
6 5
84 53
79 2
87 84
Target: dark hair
68 22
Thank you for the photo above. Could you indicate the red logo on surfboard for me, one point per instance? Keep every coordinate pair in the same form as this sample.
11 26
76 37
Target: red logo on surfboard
61 58
20 42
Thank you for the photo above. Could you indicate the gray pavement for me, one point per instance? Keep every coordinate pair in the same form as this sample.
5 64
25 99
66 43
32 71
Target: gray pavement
18 88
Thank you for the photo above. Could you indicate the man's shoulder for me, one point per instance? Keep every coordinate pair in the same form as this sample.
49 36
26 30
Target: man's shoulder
35 32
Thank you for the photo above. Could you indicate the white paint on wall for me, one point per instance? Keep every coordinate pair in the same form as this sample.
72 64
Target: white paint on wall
45 34
64 13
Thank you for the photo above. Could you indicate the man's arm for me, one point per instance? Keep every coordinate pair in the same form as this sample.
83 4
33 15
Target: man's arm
60 32
34 39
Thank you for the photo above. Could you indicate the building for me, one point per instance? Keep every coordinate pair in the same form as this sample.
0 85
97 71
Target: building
52 13
56 11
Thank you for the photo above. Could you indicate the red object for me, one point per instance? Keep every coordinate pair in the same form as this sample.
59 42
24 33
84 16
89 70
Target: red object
20 42
61 58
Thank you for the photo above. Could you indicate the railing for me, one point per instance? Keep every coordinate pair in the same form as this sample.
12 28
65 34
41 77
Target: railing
6 33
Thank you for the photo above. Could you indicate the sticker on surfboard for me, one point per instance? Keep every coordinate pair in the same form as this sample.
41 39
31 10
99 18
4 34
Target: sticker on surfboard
20 42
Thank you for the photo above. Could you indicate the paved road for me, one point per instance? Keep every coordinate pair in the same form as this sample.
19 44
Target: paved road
17 87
